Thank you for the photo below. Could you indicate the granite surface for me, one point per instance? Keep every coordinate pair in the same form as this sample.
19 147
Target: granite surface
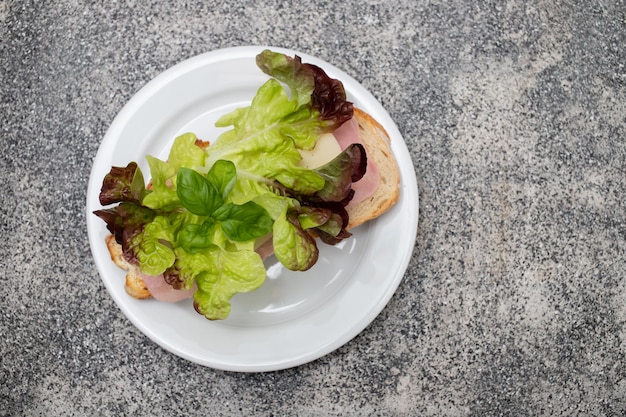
514 301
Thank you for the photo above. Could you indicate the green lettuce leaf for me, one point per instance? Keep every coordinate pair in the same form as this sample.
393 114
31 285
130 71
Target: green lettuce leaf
198 221
293 246
309 82
185 153
230 272
163 196
153 254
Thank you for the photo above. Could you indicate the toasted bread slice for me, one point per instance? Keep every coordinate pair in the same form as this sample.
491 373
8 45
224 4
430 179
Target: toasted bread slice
134 286
378 148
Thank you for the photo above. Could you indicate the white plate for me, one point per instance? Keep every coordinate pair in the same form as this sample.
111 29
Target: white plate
294 317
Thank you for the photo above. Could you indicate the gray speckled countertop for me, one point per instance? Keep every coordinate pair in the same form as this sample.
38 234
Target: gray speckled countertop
514 302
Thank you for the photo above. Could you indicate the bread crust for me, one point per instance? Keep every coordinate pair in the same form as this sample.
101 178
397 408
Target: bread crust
134 285
377 145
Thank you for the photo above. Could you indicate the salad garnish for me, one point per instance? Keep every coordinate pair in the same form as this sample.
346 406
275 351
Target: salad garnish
206 210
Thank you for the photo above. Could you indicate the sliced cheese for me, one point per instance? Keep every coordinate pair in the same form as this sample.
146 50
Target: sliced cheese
325 150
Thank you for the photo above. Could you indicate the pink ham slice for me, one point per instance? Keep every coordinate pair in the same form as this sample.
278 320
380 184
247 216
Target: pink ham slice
163 291
347 134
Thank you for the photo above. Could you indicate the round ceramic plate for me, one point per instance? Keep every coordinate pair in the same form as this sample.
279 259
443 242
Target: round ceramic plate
295 317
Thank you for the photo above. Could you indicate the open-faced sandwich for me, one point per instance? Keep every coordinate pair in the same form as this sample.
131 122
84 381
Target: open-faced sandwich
299 166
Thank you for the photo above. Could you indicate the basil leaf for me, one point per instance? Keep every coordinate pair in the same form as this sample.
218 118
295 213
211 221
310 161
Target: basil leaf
196 193
245 222
223 175
196 237
222 212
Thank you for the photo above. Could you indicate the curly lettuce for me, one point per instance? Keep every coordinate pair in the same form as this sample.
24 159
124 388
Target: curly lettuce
199 220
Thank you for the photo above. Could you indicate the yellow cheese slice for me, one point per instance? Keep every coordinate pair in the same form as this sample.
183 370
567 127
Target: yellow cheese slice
325 150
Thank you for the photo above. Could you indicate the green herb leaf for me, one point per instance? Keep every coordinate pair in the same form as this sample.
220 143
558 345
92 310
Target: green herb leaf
223 175
196 193
196 237
245 222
